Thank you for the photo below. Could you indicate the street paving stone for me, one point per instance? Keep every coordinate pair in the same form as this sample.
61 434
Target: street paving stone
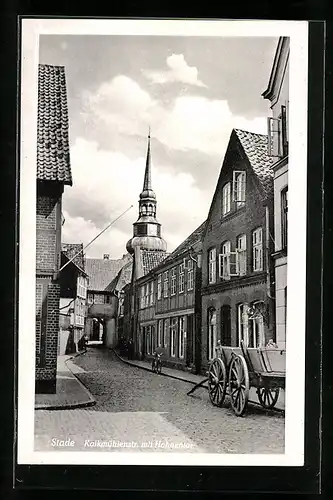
140 411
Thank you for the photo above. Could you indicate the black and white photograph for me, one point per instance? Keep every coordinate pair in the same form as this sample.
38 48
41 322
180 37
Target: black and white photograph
162 260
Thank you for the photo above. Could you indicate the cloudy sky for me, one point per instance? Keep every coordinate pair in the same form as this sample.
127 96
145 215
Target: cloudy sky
191 90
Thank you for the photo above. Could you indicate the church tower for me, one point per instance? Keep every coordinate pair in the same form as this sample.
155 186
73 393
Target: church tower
147 229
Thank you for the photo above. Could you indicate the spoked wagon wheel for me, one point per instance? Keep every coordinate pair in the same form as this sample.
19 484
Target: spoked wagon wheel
217 382
268 397
239 385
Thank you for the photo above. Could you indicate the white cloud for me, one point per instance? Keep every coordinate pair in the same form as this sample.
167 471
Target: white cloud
106 183
192 122
179 71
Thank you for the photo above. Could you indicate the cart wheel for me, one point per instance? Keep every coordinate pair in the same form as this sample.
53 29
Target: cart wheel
239 385
268 397
217 382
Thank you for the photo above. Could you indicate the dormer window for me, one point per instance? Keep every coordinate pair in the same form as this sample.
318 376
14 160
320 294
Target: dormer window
226 198
239 187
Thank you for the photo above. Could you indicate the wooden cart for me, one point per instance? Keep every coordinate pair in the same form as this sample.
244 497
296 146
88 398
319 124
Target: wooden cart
239 368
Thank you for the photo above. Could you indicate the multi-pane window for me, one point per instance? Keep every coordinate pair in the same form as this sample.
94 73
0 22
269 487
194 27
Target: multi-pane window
239 187
241 255
226 198
81 288
257 249
90 298
211 333
142 297
160 333
79 313
181 278
284 217
212 265
165 332
190 275
159 286
224 260
173 334
173 281
99 298
242 324
148 336
181 346
256 326
146 294
166 284
151 300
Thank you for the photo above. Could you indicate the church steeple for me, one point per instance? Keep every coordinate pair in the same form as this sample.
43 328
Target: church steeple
147 230
147 179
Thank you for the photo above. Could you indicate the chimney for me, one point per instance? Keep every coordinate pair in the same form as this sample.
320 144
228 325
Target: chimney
106 256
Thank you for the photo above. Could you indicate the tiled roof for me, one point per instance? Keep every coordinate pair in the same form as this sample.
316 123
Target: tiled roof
102 271
151 259
122 279
71 249
256 149
53 159
188 243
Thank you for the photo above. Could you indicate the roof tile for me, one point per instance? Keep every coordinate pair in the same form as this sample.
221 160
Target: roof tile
102 271
53 159
256 149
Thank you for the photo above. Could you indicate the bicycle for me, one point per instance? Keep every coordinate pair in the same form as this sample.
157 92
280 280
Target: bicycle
156 365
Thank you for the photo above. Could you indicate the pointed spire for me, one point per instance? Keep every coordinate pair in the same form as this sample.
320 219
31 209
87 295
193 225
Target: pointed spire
147 179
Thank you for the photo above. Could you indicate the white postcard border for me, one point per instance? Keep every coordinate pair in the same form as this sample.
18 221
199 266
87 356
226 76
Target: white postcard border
295 364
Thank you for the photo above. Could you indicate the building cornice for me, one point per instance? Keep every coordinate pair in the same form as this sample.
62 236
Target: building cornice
278 70
242 282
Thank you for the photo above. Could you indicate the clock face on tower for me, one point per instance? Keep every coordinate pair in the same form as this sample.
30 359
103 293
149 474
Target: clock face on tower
152 230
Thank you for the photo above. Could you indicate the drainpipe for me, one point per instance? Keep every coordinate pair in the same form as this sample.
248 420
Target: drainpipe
271 298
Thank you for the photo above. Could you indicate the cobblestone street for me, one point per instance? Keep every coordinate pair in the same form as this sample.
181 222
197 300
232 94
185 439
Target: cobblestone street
139 411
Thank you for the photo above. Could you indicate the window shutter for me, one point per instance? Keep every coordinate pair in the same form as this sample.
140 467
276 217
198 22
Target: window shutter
274 133
284 138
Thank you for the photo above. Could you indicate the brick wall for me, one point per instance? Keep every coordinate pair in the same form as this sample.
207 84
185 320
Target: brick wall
47 328
48 245
46 222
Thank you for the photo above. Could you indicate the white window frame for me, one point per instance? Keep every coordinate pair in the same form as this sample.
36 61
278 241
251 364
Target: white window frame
165 332
212 266
173 337
226 198
166 284
278 133
159 332
181 283
212 333
243 323
173 281
159 286
148 340
257 255
239 187
151 301
258 330
190 275
227 262
181 337
241 255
